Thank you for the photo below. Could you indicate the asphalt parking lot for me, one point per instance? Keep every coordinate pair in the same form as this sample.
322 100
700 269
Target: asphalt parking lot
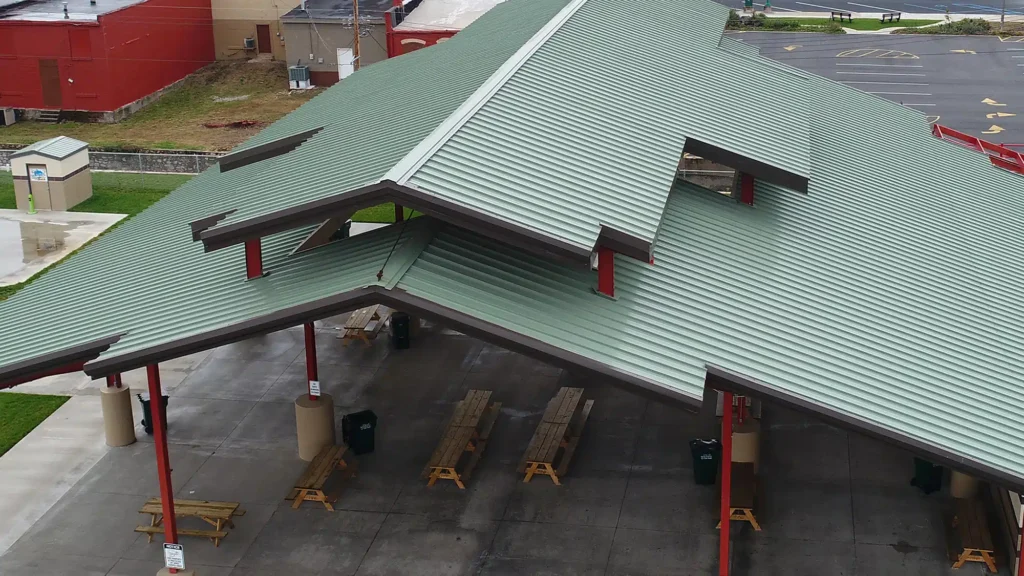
972 84
1013 7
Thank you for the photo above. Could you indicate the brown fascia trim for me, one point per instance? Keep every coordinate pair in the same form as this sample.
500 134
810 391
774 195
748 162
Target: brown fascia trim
625 244
51 360
203 223
722 379
388 191
264 151
758 169
400 300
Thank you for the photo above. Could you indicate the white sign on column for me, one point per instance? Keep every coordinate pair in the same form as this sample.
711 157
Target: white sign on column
174 556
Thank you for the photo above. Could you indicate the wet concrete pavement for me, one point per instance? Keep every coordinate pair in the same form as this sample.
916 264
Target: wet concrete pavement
31 242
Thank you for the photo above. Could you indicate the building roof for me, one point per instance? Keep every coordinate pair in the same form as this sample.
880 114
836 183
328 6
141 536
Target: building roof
890 304
53 10
445 15
317 10
58 148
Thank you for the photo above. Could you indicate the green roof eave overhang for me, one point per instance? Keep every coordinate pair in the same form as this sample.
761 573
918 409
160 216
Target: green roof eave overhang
395 298
756 168
218 237
722 379
33 367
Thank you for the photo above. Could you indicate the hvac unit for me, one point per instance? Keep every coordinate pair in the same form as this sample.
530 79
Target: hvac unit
298 77
250 43
6 116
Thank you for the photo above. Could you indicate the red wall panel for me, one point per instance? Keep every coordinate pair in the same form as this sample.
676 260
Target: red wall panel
128 54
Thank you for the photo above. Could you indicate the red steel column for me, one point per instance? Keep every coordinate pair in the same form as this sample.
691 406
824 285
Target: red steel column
163 465
1020 558
111 382
726 513
253 259
606 271
311 372
747 189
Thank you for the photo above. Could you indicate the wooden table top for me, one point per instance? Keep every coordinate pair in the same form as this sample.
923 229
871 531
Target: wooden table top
203 508
361 318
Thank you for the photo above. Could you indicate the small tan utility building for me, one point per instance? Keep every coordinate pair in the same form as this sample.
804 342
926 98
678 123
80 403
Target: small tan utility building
55 171
244 29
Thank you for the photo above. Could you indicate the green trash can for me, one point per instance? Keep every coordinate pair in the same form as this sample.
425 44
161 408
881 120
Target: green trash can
707 455
400 324
357 430
147 413
927 476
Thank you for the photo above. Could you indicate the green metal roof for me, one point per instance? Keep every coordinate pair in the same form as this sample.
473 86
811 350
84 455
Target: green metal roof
58 147
892 300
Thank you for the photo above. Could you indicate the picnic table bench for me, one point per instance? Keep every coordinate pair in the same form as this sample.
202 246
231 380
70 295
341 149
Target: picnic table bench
218 514
890 15
310 486
466 432
968 536
743 494
358 324
847 15
559 432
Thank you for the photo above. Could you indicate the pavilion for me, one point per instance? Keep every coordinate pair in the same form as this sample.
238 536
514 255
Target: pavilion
864 270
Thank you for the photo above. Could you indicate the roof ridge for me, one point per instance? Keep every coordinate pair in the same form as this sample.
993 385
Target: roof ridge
418 156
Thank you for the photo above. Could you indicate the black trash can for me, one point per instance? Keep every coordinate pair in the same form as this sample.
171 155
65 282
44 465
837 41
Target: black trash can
927 476
400 322
147 414
357 430
343 231
707 454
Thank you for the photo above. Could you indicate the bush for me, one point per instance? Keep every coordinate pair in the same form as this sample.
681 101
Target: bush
965 27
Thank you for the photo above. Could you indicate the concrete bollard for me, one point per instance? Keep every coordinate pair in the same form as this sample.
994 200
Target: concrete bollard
118 423
314 424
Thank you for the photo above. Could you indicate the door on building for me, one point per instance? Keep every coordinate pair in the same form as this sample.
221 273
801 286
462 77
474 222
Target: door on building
263 39
39 186
49 79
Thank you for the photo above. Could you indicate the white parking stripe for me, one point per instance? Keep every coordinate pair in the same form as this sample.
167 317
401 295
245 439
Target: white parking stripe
901 93
817 6
883 73
886 83
875 7
884 65
930 8
913 104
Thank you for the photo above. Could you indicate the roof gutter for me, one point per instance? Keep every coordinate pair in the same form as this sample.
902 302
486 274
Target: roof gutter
721 379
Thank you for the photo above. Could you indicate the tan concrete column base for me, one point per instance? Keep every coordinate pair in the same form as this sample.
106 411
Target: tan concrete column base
962 486
314 424
746 441
118 422
167 572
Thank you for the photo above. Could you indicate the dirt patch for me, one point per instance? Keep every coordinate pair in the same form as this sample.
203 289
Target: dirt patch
241 94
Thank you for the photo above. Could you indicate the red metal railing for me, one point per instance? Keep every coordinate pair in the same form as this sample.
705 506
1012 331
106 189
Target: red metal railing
1000 156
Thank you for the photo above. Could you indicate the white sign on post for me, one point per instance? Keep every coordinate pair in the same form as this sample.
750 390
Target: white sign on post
174 556
314 388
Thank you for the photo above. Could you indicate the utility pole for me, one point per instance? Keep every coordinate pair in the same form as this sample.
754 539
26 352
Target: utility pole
355 33
1002 17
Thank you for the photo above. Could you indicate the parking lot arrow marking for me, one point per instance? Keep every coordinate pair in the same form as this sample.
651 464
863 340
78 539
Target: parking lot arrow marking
991 102
993 130
999 115
963 51
792 47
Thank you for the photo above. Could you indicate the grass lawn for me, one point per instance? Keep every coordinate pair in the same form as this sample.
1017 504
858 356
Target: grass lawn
176 120
20 413
859 23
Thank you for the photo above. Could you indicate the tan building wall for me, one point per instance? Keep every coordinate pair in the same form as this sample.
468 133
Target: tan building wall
236 20
56 194
301 41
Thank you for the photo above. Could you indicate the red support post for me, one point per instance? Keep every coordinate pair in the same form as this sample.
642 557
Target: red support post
399 213
112 382
747 189
253 259
726 511
606 271
163 465
311 371
741 410
1020 559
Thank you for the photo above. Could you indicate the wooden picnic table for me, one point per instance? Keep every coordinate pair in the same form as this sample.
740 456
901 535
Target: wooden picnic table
218 514
968 535
356 326
467 431
560 429
743 494
310 486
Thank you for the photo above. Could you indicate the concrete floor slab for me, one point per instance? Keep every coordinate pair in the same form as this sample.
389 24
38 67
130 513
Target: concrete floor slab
651 553
911 561
898 515
131 470
55 565
268 426
197 421
408 544
875 462
29 243
583 546
484 499
673 504
345 383
591 500
125 567
665 449
244 475
812 511
606 445
369 491
759 555
308 540
784 449
230 378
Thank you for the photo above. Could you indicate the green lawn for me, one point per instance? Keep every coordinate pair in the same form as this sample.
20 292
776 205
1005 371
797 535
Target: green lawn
20 413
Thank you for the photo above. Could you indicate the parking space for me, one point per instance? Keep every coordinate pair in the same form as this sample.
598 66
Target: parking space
834 502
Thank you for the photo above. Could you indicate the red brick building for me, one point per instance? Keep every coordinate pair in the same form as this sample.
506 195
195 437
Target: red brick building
98 56
416 24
